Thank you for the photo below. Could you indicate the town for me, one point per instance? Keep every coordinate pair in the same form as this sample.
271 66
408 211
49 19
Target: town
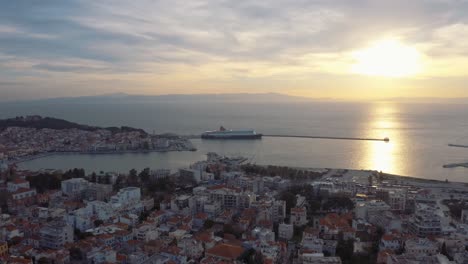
223 211
18 143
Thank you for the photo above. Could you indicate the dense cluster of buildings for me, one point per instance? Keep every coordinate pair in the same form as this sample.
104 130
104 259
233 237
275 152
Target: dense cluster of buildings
22 142
229 216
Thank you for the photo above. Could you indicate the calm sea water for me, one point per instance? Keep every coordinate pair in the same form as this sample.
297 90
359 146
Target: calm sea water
419 134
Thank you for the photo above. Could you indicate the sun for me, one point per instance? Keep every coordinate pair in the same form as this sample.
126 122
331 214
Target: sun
387 58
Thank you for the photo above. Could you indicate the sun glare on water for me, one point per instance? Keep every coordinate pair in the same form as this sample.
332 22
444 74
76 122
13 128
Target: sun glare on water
387 58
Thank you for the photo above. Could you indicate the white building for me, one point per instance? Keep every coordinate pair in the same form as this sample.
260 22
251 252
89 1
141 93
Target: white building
387 220
101 255
263 234
318 258
55 235
464 216
213 208
365 209
278 211
425 221
391 242
101 210
300 200
147 232
195 174
23 194
17 184
80 219
231 197
285 231
160 174
126 196
395 198
73 187
183 203
422 246
298 216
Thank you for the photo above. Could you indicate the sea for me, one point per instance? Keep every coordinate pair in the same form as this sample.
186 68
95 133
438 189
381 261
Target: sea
419 134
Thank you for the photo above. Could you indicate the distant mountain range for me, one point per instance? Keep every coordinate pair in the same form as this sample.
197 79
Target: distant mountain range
40 122
130 98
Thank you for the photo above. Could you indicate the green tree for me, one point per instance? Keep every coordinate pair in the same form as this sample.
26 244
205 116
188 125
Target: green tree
444 251
98 222
144 175
76 253
208 224
107 179
93 177
45 181
132 177
44 260
290 199
345 250
146 145
251 256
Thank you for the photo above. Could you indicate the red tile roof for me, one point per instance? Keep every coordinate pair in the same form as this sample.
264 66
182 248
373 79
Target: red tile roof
297 210
22 190
204 237
201 215
225 251
335 221
19 181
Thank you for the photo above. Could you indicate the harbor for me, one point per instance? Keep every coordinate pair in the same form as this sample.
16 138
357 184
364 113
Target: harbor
224 134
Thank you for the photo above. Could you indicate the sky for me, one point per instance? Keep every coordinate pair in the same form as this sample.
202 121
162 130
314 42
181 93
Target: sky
322 49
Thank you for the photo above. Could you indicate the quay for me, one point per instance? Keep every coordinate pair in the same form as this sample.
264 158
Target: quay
455 165
458 145
326 137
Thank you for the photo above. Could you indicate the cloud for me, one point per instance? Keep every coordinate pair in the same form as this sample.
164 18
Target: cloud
155 41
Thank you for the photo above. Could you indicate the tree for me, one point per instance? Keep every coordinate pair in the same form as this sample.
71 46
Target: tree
345 250
251 256
144 175
338 203
76 253
208 224
98 222
290 199
444 252
107 179
143 216
45 181
132 177
146 145
44 260
93 177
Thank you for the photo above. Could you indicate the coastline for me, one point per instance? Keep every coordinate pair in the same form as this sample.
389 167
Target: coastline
116 152
360 175
345 174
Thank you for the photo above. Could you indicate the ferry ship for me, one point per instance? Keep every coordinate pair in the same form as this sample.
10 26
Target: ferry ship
223 133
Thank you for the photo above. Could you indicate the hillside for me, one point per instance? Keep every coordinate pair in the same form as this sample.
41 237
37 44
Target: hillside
40 122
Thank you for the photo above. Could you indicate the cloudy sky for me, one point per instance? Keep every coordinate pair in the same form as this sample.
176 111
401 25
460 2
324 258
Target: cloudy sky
53 48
